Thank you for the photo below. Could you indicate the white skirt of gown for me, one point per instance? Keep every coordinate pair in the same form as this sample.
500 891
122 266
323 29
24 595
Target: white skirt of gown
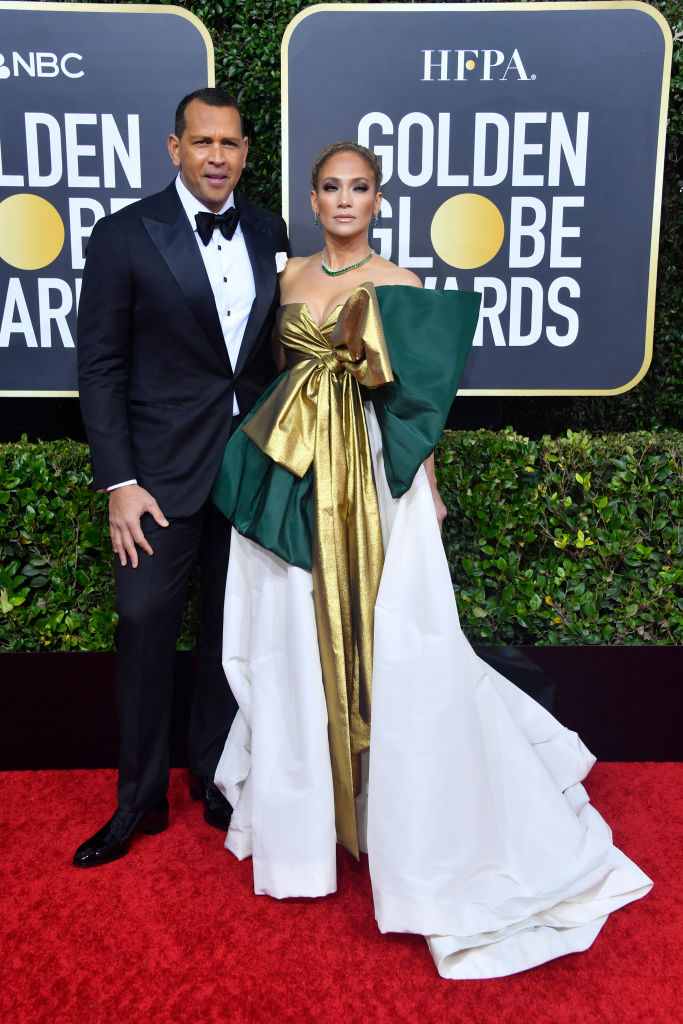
479 833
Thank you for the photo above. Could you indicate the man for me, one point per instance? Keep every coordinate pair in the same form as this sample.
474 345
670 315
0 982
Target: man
174 336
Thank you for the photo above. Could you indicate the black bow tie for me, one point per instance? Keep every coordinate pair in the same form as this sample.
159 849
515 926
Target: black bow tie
225 222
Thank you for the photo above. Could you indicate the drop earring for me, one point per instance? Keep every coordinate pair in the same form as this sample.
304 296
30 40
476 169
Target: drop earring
316 221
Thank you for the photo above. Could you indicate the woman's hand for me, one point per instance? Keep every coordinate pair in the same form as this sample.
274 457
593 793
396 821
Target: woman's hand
439 507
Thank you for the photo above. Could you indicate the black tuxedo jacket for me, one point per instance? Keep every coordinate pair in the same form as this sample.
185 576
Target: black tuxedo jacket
155 380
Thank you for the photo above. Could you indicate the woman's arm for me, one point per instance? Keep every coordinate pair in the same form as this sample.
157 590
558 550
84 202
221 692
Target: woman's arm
439 506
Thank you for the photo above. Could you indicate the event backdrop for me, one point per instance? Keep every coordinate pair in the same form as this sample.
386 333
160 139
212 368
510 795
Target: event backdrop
522 150
87 96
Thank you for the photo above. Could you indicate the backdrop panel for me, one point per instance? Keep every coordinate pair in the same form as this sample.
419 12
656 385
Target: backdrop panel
522 149
87 95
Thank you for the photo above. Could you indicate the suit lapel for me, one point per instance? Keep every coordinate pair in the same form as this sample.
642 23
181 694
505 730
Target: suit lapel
174 238
262 259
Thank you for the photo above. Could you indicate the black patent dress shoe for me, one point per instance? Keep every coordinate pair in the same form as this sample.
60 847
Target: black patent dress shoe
217 810
114 839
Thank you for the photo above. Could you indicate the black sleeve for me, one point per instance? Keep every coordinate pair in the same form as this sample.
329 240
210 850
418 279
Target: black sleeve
104 336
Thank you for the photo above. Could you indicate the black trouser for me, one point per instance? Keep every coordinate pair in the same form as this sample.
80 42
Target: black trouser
150 601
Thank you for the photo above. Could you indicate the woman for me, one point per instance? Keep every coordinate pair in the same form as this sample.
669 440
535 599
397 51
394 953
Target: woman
469 803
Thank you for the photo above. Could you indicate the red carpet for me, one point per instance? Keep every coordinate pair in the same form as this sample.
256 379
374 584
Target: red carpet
173 933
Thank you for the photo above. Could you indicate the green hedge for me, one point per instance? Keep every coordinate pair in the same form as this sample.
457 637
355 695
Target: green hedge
571 540
56 589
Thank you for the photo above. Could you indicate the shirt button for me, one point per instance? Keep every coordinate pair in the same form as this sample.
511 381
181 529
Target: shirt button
220 247
228 313
225 279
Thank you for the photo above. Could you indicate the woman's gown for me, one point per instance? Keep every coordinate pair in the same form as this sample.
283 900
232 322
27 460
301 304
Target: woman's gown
478 831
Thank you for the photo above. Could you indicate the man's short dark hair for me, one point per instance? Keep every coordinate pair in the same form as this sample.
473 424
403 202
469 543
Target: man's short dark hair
213 98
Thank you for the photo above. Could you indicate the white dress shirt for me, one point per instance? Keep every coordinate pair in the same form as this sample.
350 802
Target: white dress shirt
230 274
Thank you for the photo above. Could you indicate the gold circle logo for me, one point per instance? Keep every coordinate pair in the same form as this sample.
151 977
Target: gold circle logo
467 231
31 232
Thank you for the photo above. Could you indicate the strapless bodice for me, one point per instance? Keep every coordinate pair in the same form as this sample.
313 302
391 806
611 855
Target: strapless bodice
349 338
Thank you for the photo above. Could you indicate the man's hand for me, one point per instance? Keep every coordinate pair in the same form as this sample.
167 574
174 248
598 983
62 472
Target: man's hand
127 505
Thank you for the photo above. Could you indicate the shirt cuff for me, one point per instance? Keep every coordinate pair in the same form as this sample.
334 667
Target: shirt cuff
125 483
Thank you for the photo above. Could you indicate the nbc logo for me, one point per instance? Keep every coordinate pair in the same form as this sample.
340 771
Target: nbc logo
40 65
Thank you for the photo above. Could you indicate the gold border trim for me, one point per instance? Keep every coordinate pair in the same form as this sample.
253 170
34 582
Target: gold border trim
38 394
520 8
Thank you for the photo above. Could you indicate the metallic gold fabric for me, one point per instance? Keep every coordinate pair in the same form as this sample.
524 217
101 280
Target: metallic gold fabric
315 416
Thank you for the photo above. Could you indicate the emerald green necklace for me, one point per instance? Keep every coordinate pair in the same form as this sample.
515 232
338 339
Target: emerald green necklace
354 266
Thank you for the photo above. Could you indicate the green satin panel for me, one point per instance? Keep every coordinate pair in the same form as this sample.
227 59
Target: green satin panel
266 502
429 335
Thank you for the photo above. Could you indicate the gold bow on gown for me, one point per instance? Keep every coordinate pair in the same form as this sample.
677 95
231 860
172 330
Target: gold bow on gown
315 416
